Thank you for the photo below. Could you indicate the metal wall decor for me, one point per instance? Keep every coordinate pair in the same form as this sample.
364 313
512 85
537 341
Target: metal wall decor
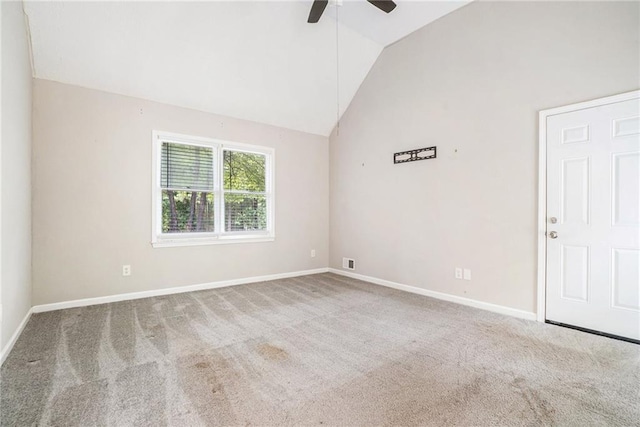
414 155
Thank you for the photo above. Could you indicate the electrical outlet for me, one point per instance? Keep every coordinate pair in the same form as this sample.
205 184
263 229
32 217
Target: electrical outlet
458 273
467 274
313 253
126 270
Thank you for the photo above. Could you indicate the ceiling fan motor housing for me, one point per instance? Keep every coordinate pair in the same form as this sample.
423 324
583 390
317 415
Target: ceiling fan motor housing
318 7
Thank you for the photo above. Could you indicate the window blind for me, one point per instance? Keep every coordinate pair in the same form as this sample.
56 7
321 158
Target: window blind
186 167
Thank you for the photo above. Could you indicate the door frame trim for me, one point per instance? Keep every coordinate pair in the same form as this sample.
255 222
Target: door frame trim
542 184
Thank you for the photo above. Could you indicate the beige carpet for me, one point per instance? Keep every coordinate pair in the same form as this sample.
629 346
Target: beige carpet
314 350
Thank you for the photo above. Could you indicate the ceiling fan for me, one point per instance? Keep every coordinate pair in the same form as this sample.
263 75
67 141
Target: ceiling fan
318 7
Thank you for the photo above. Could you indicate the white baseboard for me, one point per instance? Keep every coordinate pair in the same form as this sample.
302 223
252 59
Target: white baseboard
528 315
168 291
12 341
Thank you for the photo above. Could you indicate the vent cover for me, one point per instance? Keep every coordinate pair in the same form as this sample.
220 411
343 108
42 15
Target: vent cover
348 263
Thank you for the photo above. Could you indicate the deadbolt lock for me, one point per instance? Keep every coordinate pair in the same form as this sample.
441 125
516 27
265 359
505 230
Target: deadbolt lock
553 220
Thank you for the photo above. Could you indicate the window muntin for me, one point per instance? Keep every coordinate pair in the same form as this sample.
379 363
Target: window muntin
209 191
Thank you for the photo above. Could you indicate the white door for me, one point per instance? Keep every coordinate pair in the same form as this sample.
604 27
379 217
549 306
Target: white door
593 219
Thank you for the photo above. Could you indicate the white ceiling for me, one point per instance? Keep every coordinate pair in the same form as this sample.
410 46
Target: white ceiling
254 60
386 29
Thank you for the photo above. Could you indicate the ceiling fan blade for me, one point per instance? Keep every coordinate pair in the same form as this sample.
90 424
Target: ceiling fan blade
317 8
383 5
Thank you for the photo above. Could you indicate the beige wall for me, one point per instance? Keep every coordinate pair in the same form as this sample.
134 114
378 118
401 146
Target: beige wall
15 172
471 84
92 197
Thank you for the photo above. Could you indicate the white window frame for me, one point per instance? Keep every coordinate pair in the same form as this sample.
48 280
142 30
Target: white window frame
219 236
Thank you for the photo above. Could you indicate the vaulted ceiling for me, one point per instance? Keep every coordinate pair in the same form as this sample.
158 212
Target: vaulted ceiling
253 60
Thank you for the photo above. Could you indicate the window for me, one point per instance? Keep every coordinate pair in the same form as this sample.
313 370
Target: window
208 191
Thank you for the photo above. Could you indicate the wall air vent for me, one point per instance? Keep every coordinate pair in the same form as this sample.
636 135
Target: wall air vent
348 263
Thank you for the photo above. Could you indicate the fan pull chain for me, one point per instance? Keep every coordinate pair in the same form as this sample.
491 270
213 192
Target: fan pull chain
337 76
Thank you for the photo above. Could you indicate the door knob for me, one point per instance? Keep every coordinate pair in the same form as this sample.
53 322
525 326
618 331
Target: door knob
553 234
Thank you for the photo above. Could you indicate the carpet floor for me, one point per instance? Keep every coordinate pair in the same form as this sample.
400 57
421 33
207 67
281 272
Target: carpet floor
313 350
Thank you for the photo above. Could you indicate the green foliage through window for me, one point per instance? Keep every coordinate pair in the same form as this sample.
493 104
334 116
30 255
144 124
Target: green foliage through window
244 175
244 171
187 211
245 212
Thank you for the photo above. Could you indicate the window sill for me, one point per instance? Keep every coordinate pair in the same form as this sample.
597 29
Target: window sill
169 243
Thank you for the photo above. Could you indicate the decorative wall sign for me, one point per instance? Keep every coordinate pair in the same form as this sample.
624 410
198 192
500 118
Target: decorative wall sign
414 155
